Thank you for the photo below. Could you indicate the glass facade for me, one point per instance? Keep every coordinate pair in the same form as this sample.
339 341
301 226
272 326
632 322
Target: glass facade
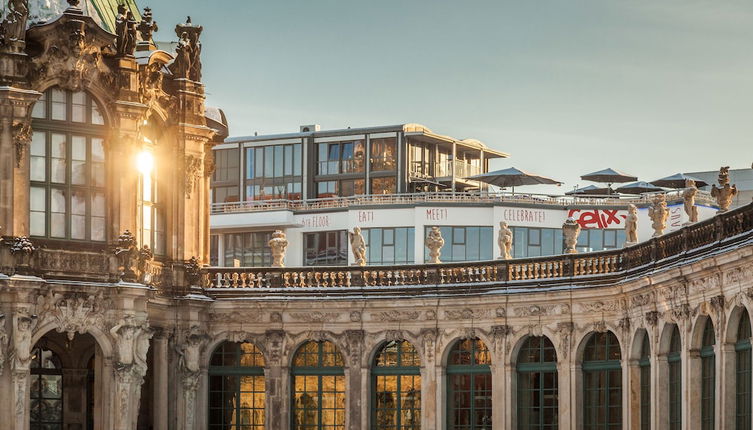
645 368
318 387
708 376
383 154
464 243
274 172
396 381
600 240
602 383
389 245
743 373
237 394
225 187
248 249
536 242
538 402
67 168
326 248
675 381
46 392
469 386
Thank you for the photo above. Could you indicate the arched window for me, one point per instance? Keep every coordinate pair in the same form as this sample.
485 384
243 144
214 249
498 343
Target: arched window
46 408
537 385
744 372
67 168
396 386
469 386
708 379
318 387
645 368
236 387
675 381
602 383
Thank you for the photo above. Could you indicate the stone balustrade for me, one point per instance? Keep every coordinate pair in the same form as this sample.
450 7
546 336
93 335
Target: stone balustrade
688 242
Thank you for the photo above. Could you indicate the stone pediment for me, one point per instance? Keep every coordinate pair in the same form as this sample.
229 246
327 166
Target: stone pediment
69 50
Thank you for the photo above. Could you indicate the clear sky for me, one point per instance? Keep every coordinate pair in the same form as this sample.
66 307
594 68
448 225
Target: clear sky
566 87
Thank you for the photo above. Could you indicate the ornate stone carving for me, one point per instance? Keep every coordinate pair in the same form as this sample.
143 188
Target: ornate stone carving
659 214
468 333
132 343
23 327
187 63
3 343
600 326
278 244
234 317
21 139
353 346
434 242
355 316
631 226
565 330
189 352
717 303
600 306
642 299
275 317
429 337
147 26
192 169
274 340
624 324
142 264
358 245
724 193
570 232
501 331
150 88
652 317
209 163
500 312
22 250
315 316
74 312
394 335
682 312
466 314
125 30
395 316
193 272
128 255
536 310
504 241
688 199
71 53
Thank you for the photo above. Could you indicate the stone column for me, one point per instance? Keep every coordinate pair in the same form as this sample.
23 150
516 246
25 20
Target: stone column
430 372
726 382
691 386
354 343
276 381
660 391
132 343
627 387
160 397
565 381
189 370
15 136
503 394
21 383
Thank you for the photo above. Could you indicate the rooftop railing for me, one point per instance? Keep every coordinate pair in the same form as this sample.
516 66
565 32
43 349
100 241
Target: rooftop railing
702 197
598 268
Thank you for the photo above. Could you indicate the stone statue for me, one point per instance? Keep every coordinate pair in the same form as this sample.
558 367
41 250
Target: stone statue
278 244
14 25
631 226
190 351
659 214
358 245
570 232
22 341
125 333
434 242
181 66
724 193
148 25
125 30
688 198
504 240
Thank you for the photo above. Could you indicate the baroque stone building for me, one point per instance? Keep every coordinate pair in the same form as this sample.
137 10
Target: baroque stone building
111 319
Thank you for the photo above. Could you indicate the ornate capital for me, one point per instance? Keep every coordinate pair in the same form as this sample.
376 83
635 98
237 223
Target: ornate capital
21 139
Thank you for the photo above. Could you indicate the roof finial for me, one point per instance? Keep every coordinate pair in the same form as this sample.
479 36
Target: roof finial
74 3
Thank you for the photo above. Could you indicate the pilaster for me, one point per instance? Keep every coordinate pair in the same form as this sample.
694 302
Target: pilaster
430 388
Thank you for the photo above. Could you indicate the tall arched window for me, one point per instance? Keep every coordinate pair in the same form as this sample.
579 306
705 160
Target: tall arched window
236 387
645 368
46 408
675 380
67 168
744 373
318 387
538 402
602 383
469 386
708 376
396 401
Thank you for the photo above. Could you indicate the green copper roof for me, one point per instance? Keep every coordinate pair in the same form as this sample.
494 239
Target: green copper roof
108 10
